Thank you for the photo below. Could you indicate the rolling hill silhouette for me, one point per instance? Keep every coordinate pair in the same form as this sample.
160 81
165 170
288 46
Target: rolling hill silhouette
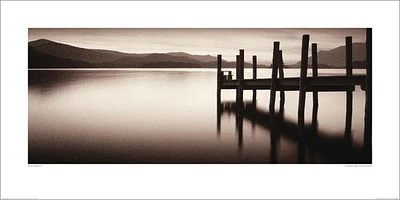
336 58
37 59
44 53
75 53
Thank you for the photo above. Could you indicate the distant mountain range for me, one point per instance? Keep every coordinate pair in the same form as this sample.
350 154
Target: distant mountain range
49 54
336 58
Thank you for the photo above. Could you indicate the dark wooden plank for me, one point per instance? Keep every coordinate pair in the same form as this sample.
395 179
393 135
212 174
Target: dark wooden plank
325 81
319 88
257 82
336 80
328 88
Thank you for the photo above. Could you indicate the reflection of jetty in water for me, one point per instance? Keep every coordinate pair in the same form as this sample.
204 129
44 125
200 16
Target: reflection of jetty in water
340 148
337 148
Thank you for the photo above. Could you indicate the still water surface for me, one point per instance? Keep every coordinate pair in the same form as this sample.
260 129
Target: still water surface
165 116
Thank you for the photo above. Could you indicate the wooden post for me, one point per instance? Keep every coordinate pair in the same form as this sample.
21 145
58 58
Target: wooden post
219 75
254 77
282 91
315 92
241 66
239 114
237 78
237 66
241 73
368 99
254 99
314 121
275 64
272 122
302 94
302 88
219 67
349 93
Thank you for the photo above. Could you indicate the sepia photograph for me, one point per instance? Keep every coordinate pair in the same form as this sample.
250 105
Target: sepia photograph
199 100
206 96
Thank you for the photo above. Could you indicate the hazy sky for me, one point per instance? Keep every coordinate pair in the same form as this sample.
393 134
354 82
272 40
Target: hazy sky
200 41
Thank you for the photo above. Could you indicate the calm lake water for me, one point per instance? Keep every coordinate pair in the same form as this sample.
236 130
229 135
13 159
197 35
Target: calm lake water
167 116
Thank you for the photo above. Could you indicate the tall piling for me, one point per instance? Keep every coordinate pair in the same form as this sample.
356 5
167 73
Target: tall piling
314 54
349 92
240 99
302 88
237 78
272 118
368 99
282 91
275 64
302 95
219 77
241 72
254 99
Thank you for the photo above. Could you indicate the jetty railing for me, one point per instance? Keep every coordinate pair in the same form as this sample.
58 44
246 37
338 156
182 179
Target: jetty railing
303 84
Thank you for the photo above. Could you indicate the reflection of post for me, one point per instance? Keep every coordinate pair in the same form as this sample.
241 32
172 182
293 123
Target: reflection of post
239 125
301 152
302 95
368 99
219 73
274 136
349 92
315 92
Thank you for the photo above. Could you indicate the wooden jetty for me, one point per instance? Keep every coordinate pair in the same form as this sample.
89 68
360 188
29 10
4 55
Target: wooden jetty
303 84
